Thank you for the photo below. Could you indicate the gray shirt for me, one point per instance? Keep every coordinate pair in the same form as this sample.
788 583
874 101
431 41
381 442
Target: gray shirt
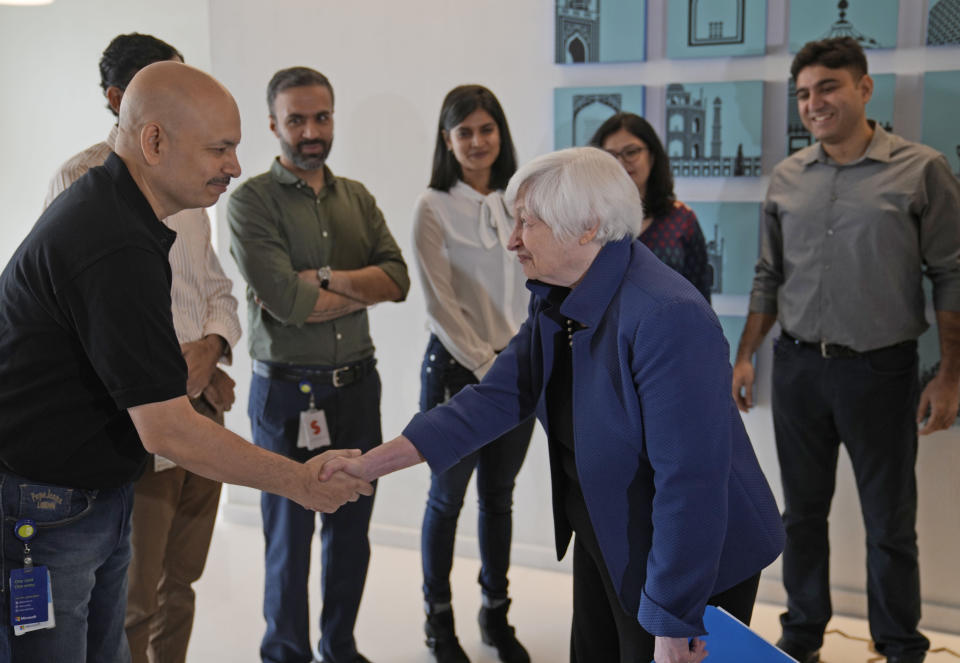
844 247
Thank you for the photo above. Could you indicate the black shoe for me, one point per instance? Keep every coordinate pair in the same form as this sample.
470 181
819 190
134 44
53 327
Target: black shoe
441 638
359 658
798 651
907 658
496 632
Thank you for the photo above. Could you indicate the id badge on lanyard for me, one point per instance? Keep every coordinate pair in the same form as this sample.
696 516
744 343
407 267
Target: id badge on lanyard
31 592
314 433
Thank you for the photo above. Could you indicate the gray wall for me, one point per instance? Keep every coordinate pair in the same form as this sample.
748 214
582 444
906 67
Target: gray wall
391 64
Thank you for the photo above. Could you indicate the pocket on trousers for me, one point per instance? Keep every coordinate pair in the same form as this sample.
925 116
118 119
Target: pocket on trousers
53 506
893 361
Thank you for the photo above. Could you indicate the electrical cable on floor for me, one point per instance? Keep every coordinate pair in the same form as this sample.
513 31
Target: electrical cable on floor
881 659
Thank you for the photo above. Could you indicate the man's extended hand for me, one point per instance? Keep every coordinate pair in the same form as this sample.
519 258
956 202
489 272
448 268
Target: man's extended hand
335 489
201 357
219 393
743 377
678 650
940 399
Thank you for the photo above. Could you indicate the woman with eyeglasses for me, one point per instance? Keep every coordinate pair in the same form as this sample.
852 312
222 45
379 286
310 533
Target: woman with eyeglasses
670 229
476 301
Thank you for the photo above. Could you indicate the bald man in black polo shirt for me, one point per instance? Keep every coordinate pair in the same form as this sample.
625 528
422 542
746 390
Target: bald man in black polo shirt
92 377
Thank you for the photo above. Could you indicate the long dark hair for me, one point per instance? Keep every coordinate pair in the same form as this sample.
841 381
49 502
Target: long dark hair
659 197
457 105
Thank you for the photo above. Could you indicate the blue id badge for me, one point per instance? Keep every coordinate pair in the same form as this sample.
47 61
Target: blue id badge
31 599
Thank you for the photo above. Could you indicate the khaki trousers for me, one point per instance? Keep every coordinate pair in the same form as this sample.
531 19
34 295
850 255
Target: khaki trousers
173 515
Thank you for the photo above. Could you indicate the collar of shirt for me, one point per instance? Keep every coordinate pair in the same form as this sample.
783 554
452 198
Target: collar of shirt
284 176
131 193
878 149
589 300
461 188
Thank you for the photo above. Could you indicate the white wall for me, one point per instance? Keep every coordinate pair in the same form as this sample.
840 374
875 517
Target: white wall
52 106
391 63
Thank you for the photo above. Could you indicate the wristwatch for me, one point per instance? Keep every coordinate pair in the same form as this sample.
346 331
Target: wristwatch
324 275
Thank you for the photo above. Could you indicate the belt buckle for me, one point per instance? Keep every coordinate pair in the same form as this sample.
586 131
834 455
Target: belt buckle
823 350
338 381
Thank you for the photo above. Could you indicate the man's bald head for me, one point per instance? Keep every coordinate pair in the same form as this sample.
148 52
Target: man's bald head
178 123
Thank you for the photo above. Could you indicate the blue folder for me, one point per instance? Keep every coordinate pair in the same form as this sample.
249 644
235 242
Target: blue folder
728 640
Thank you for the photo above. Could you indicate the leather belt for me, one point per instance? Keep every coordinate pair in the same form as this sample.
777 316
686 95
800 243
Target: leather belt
826 350
835 350
333 377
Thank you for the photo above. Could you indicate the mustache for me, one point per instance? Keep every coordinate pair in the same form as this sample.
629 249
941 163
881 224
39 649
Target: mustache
223 181
315 141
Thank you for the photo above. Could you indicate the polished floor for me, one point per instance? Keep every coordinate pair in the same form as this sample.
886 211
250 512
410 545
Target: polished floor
229 624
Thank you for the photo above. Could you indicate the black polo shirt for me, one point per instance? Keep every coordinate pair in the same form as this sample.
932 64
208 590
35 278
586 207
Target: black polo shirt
86 331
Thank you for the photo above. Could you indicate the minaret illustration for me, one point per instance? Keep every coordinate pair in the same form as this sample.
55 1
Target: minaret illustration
687 138
844 28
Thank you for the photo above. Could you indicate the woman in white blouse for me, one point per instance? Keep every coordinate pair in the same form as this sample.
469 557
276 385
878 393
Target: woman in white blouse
476 301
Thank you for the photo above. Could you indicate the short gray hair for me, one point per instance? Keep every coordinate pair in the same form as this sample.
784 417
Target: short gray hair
571 190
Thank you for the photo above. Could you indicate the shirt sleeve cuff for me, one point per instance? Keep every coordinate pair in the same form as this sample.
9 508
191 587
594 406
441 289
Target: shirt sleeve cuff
305 298
946 297
428 441
231 336
398 274
482 369
657 621
761 303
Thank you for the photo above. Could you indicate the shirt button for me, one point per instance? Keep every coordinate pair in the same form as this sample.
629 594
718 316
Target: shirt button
830 232
339 336
324 233
433 357
429 370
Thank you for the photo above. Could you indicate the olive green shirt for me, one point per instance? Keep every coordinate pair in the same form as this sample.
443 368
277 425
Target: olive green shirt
278 227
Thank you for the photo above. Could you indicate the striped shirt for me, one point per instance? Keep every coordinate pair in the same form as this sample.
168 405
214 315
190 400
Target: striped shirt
202 303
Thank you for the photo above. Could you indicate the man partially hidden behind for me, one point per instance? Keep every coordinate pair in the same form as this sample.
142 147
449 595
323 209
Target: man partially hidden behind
315 252
92 376
174 509
852 224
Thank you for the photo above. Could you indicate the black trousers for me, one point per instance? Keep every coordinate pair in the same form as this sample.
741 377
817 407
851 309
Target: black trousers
602 631
868 403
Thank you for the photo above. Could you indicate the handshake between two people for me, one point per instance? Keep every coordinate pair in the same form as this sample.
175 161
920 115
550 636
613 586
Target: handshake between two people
345 470
339 480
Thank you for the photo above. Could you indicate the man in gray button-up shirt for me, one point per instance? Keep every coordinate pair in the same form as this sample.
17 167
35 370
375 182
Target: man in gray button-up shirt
852 224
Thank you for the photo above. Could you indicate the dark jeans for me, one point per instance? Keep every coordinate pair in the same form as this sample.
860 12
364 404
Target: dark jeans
497 466
83 538
868 403
353 417
602 630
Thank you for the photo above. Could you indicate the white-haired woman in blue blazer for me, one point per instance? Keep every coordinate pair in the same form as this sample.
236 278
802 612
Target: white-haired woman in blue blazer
626 366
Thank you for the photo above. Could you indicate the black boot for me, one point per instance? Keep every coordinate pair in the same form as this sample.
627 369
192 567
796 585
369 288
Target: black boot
441 638
496 632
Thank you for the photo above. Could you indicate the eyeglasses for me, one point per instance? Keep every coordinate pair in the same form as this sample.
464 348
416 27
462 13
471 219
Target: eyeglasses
629 154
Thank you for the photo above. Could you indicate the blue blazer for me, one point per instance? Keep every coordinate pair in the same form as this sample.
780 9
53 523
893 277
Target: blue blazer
675 494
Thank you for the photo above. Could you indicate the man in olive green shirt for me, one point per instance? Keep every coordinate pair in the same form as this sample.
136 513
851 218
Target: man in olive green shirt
315 252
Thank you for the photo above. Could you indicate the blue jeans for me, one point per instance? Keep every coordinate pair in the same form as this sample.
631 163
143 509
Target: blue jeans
497 465
868 404
353 417
83 538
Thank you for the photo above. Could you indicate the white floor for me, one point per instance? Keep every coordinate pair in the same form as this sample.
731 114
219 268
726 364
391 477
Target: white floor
229 624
